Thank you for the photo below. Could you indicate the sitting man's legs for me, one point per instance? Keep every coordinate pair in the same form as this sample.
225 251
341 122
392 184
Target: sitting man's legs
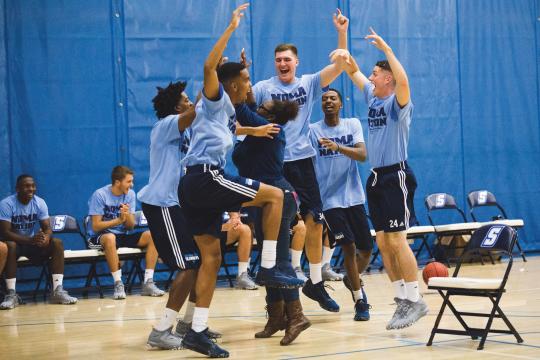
11 299
108 243
3 255
146 242
242 235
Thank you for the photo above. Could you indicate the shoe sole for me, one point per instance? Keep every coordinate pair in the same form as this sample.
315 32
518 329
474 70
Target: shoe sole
151 347
303 328
403 326
204 352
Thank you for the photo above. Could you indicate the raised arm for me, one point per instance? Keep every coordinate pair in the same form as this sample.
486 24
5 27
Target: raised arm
332 71
211 82
402 90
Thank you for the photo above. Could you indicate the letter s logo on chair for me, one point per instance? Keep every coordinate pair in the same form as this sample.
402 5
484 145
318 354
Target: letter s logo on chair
59 223
491 237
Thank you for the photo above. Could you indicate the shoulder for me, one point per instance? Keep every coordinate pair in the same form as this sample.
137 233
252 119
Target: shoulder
39 201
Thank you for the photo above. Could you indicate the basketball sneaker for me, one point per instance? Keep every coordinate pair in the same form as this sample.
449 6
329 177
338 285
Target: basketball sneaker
61 296
361 310
119 292
201 343
413 312
300 274
328 274
11 300
149 288
244 281
317 292
165 340
274 277
398 314
183 327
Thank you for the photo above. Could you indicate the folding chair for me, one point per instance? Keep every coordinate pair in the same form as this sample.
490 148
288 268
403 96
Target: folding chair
489 238
443 201
484 198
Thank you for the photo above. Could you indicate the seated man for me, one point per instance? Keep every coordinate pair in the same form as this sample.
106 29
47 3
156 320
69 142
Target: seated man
112 210
234 232
20 215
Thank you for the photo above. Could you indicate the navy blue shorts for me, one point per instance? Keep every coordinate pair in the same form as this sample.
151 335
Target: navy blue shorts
122 240
390 194
172 238
301 175
205 192
349 225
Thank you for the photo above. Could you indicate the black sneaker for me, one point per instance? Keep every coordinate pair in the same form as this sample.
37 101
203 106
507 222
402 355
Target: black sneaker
274 277
361 310
201 343
348 285
318 293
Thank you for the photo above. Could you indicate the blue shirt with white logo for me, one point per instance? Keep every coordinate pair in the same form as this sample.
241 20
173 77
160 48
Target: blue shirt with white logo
212 131
104 202
166 143
305 91
388 128
338 175
24 219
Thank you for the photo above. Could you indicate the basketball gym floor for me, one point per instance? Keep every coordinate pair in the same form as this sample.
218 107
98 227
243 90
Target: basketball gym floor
111 329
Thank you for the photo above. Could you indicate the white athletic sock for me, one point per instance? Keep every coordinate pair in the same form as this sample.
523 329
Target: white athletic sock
357 294
167 319
57 280
200 318
242 267
188 316
10 283
117 275
327 253
315 273
148 274
268 256
413 293
296 255
399 288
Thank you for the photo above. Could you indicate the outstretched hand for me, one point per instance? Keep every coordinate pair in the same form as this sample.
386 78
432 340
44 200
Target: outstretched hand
341 57
243 59
376 40
267 131
341 22
237 14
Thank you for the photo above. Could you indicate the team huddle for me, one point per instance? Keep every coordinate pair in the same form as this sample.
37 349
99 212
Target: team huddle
288 167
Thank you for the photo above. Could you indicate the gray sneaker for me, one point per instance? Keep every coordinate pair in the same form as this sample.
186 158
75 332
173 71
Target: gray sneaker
149 288
11 300
328 274
183 327
61 296
165 340
119 292
300 274
243 281
398 314
413 312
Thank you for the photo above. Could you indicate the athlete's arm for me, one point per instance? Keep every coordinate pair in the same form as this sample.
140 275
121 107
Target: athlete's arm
353 70
211 82
357 152
403 92
7 233
332 71
268 130
98 224
186 118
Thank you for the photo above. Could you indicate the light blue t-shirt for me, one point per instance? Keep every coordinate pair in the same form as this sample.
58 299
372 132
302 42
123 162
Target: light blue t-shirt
388 129
166 143
104 202
24 219
338 175
305 91
212 131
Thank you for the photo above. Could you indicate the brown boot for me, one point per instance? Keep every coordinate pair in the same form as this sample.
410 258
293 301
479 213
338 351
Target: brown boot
276 320
296 322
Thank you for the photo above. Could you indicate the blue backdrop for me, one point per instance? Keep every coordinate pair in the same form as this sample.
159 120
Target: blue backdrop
77 79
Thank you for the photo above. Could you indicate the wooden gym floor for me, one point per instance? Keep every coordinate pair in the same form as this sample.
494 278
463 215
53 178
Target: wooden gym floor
118 329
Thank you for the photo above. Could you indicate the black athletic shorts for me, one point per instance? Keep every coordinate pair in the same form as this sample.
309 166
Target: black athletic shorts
349 225
301 175
170 232
390 193
205 192
34 253
122 240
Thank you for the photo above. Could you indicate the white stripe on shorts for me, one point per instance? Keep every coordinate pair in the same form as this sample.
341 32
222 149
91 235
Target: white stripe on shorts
169 226
403 186
231 185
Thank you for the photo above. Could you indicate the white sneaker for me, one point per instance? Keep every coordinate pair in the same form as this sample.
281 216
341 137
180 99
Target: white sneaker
119 292
328 274
149 288
300 274
244 281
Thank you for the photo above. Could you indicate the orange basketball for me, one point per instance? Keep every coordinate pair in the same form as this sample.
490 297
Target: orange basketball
434 269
